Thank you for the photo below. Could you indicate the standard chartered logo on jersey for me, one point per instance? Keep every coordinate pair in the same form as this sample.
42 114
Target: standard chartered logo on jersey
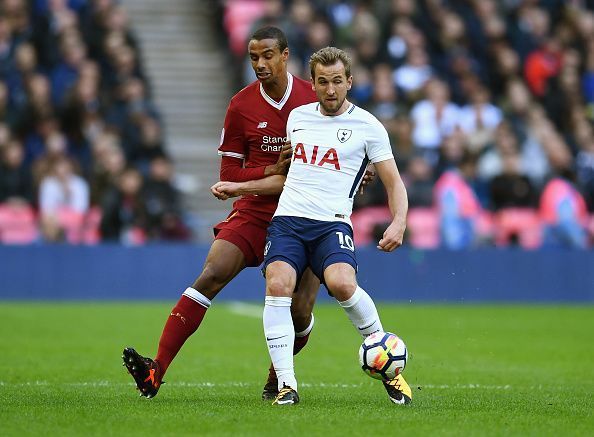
272 144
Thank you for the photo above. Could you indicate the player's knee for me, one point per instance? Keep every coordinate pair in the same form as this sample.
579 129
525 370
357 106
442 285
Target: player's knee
212 279
341 288
278 286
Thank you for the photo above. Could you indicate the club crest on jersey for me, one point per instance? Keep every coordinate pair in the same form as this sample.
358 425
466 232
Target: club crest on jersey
343 135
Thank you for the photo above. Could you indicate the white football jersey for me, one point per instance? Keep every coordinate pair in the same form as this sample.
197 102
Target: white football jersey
330 155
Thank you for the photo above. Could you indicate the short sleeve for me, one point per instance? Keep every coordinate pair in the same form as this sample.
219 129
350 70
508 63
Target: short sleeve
378 146
290 125
232 141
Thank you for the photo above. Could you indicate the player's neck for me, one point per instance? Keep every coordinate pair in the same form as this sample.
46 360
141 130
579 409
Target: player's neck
343 108
276 89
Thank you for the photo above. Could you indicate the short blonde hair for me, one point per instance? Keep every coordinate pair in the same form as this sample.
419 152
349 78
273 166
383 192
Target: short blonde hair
330 56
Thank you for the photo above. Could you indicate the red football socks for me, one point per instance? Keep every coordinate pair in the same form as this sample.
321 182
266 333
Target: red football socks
184 320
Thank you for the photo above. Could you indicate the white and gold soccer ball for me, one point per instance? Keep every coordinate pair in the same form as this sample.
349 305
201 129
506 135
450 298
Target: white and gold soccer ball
383 355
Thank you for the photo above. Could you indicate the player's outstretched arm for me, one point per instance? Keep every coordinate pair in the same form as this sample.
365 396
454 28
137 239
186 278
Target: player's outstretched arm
270 185
397 201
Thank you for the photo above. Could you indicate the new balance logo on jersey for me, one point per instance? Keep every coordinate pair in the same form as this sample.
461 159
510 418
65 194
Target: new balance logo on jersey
330 157
262 125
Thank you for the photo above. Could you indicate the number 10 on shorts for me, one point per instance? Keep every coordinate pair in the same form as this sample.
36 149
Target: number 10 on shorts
345 241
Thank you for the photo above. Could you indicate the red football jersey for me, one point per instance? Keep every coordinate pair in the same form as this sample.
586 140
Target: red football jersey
255 131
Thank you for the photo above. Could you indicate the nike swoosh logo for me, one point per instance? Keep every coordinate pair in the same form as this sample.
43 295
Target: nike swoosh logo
295 130
368 326
276 338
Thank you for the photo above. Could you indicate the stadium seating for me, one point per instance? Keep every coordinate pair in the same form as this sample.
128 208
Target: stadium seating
18 224
521 225
423 228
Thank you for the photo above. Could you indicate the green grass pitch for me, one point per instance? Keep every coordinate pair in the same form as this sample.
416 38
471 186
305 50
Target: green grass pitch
475 370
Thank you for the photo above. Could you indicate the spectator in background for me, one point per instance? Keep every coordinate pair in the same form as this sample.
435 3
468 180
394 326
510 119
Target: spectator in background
25 66
585 160
82 114
479 118
125 216
149 144
458 206
15 177
55 149
61 190
419 180
414 73
541 65
64 75
50 25
35 109
162 203
511 188
7 113
7 46
433 118
109 164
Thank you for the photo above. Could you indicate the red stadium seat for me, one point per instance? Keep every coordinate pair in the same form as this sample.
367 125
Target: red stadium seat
238 20
18 224
72 222
423 228
365 219
522 224
91 233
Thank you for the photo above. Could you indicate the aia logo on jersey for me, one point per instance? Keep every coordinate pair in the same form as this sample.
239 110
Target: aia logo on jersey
329 158
343 135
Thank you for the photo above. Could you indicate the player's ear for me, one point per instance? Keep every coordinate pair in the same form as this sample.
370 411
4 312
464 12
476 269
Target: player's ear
285 54
313 85
349 83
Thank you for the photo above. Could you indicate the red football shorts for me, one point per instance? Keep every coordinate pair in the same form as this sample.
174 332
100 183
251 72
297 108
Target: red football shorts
245 231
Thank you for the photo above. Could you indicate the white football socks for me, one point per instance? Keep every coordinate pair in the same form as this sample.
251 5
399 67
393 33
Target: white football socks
197 297
362 313
280 338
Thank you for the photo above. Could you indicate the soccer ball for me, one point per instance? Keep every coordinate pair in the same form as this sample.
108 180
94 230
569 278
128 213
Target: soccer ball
383 355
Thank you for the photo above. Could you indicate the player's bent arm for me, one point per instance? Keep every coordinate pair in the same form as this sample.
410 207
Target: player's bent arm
232 170
397 201
270 185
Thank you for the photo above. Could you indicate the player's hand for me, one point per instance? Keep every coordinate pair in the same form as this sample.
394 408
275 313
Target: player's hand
281 167
392 238
224 190
368 178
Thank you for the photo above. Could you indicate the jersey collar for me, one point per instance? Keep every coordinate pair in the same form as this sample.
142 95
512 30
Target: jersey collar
271 101
348 111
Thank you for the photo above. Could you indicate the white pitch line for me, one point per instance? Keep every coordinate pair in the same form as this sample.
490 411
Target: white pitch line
245 309
207 384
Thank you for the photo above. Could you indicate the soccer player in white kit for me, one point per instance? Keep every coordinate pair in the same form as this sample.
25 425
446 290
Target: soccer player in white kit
333 141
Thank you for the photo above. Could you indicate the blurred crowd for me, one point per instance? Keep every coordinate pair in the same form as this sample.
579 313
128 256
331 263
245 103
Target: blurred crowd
82 158
489 106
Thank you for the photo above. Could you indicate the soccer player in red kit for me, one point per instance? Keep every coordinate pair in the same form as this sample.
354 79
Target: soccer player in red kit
252 149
